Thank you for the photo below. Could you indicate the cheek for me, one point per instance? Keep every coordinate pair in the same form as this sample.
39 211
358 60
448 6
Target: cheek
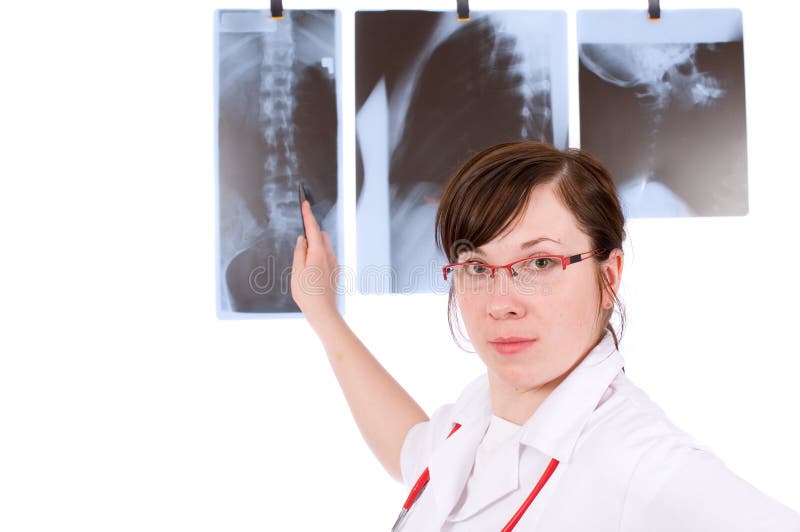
581 302
472 312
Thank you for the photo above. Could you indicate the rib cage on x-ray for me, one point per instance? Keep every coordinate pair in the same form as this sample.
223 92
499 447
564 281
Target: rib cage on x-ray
444 90
277 125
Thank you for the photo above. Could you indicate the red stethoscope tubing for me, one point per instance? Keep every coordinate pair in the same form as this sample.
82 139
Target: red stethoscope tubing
536 489
425 477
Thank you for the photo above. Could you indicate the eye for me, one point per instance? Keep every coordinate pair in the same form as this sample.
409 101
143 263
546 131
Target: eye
476 269
540 263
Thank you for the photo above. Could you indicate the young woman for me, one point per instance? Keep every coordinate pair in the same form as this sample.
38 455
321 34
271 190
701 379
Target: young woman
554 436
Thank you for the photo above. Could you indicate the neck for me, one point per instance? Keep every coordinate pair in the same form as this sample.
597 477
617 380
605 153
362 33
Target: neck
517 405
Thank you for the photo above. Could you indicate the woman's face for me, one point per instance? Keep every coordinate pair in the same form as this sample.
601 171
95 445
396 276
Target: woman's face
557 313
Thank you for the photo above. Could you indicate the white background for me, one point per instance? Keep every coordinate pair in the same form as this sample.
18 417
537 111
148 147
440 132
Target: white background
126 405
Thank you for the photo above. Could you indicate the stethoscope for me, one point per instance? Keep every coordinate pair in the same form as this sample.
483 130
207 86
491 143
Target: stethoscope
425 477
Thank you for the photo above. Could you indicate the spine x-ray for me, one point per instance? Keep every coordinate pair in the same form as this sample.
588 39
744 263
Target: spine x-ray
277 126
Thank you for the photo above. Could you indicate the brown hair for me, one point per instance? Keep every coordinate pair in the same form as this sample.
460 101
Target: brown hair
492 189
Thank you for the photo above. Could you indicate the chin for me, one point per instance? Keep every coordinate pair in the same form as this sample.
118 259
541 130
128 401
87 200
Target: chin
518 379
520 372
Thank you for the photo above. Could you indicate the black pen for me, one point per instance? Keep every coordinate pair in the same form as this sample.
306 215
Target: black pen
303 194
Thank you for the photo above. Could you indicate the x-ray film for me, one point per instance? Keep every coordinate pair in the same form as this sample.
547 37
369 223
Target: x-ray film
430 92
662 104
277 120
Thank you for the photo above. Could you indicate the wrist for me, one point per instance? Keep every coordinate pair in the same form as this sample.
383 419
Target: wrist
327 324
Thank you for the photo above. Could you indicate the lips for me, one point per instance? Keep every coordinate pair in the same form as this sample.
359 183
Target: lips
509 345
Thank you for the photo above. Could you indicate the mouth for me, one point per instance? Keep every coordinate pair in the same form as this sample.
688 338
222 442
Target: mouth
511 345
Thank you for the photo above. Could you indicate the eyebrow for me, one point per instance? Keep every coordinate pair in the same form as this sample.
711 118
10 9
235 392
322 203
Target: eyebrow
525 245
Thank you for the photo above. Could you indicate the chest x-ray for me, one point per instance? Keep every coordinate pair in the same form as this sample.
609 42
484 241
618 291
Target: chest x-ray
277 126
662 104
430 92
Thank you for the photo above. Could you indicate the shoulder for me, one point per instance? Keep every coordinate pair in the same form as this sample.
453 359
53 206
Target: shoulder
627 432
666 478
627 417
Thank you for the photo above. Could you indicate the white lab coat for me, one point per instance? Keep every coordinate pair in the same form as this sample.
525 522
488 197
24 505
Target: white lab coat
623 467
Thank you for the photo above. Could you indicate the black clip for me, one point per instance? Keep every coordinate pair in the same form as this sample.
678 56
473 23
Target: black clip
463 10
276 7
653 10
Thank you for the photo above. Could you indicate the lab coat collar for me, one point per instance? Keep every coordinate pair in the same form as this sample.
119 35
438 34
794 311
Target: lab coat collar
451 462
555 426
553 430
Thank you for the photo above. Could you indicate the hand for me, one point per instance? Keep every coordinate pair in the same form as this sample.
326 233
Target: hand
314 272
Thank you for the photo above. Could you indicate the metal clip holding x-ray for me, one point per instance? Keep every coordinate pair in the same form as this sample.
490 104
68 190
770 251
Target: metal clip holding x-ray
276 9
653 9
463 10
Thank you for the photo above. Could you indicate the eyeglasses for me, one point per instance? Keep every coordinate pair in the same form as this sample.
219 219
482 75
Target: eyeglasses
536 268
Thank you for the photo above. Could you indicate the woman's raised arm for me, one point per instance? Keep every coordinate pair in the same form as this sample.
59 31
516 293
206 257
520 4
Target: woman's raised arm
382 409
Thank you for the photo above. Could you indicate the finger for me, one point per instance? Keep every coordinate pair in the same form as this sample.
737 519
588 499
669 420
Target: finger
326 238
299 258
334 265
312 227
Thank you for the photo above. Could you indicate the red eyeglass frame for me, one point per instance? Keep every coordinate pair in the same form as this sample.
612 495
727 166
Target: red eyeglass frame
566 260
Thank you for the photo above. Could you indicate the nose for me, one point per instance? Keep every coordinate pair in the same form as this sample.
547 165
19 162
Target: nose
504 302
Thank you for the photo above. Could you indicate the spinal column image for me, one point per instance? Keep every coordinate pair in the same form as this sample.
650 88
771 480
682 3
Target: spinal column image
277 126
665 111
431 92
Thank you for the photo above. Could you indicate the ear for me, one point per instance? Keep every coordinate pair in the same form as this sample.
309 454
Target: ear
611 268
